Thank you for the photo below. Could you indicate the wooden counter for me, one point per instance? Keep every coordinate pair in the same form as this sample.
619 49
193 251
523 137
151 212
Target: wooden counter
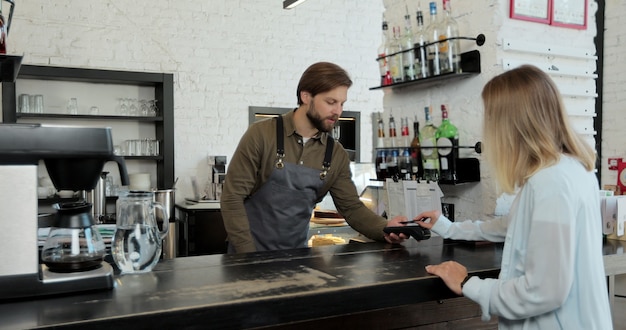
271 288
259 289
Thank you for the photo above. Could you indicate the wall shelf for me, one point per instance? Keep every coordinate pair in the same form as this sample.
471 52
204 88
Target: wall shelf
9 67
89 117
470 66
163 122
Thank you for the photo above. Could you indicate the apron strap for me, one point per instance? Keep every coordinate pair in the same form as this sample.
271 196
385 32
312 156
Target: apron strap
330 142
280 148
280 142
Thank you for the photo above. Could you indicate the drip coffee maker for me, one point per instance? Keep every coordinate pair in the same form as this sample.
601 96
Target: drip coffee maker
73 252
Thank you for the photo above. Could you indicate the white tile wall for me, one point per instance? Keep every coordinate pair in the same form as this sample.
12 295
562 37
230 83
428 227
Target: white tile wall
228 55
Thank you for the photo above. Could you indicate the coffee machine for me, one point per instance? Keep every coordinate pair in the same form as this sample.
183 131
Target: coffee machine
74 158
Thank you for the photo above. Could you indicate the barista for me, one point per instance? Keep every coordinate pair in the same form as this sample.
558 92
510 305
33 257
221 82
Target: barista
283 166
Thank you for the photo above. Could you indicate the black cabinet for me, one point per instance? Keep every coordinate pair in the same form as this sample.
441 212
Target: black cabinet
99 80
201 230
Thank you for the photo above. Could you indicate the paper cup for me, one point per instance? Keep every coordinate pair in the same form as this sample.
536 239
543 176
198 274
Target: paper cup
139 181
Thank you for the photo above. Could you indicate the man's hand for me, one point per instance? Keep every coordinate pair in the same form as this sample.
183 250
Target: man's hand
396 222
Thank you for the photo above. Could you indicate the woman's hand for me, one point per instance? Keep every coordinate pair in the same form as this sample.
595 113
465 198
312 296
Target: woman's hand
432 215
452 273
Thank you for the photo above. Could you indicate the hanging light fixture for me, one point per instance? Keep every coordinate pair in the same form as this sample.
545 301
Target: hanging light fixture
288 4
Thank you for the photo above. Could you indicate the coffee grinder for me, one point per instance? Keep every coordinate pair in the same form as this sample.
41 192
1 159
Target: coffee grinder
73 252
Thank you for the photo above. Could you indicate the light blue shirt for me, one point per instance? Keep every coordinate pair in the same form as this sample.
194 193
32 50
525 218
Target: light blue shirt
552 273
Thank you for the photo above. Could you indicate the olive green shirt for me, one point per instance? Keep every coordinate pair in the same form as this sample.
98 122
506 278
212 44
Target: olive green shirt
255 159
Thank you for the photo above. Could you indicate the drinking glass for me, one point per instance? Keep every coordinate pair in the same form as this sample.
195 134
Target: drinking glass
123 107
132 108
72 106
24 103
145 107
38 103
154 110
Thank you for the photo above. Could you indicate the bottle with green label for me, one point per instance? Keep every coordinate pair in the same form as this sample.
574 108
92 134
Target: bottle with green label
428 143
447 147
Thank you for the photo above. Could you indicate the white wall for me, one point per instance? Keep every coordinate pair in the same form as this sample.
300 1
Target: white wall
228 55
491 18
225 56
614 114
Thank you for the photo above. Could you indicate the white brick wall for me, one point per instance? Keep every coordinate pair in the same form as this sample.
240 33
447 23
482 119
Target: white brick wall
228 55
490 17
614 114
225 56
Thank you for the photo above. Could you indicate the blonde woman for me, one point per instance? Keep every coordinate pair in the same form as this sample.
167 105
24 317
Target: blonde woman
552 272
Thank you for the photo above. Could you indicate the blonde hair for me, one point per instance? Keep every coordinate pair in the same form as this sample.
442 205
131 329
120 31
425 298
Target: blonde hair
526 127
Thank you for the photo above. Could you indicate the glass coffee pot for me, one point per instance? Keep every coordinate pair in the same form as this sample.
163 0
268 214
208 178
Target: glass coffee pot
137 243
74 243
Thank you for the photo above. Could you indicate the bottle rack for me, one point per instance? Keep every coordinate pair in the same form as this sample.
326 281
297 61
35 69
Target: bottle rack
470 65
467 169
477 147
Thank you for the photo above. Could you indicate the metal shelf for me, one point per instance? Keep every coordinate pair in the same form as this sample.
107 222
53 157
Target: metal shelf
9 67
90 117
470 66
163 92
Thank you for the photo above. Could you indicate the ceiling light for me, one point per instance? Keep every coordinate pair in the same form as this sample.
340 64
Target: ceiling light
288 4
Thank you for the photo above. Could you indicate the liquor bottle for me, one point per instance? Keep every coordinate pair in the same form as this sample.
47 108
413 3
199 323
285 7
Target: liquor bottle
447 147
408 55
383 51
417 168
380 142
404 132
381 165
405 165
395 60
449 51
428 143
392 131
421 60
392 164
433 33
3 32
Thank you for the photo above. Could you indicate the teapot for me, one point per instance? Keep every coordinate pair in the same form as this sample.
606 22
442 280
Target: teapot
137 242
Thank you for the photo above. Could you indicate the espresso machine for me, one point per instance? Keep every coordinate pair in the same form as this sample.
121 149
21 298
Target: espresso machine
72 257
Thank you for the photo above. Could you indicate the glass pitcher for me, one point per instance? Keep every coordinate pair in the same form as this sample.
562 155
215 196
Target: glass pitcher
137 243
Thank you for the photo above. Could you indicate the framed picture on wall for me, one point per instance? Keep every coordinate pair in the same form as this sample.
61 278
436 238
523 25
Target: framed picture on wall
569 13
531 10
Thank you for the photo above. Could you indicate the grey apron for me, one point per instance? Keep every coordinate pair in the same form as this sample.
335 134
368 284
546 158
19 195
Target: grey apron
280 211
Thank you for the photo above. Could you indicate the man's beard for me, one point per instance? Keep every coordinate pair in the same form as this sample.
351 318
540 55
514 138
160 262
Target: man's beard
317 121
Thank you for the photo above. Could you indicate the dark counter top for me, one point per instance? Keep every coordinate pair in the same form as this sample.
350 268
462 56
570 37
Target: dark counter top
268 288
258 289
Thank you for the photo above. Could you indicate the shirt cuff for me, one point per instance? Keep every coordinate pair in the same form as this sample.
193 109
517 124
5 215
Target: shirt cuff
441 226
